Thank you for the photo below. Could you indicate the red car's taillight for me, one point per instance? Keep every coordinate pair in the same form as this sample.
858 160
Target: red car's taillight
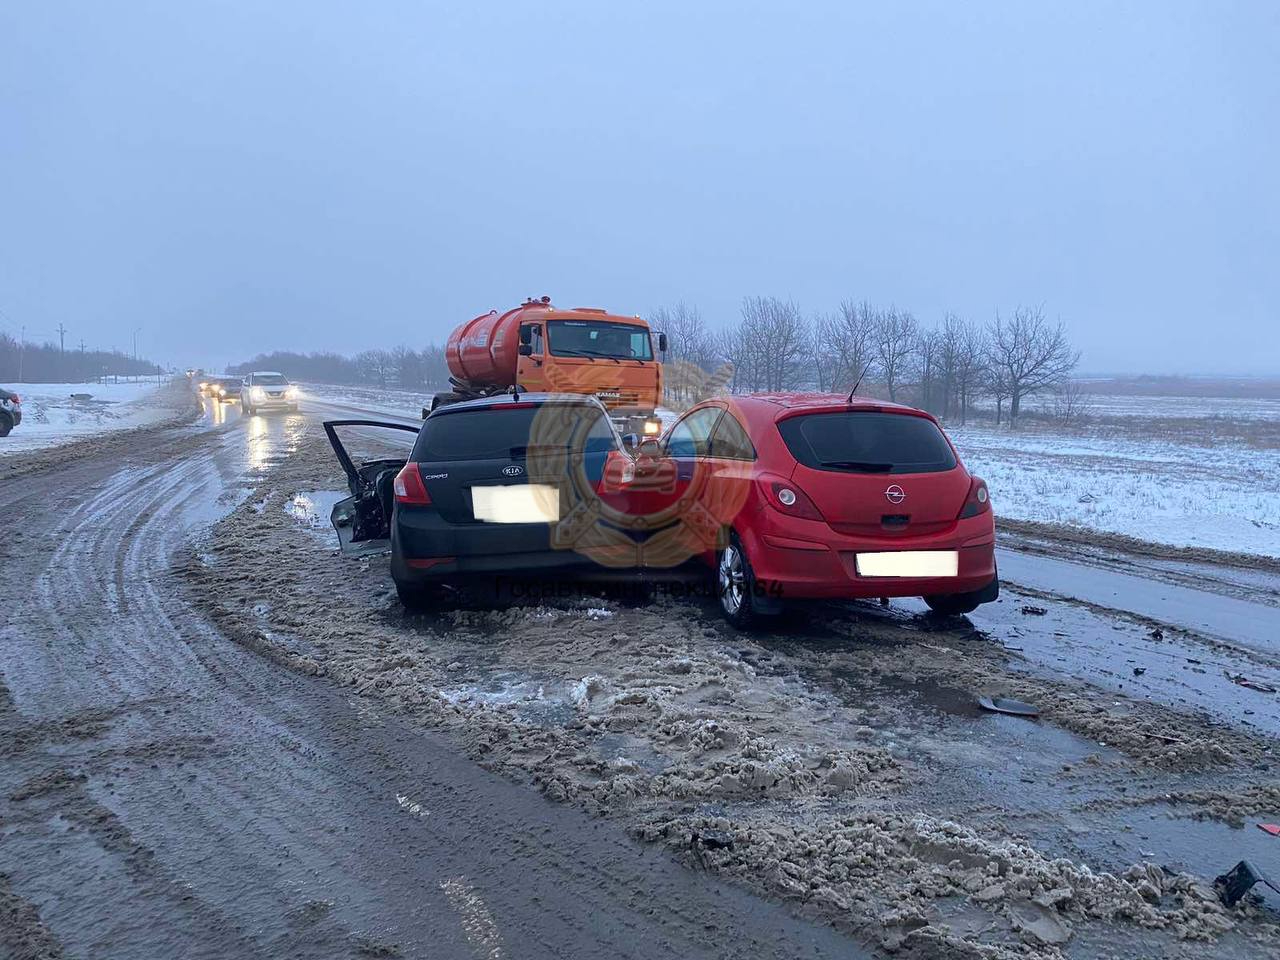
978 501
409 488
785 497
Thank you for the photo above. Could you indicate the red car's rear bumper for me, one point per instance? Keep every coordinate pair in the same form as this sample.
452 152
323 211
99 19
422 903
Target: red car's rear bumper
808 559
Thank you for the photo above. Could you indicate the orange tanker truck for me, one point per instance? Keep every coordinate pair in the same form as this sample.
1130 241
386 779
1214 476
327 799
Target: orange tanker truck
538 347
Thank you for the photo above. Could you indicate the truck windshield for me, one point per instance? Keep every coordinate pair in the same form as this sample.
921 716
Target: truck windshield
600 339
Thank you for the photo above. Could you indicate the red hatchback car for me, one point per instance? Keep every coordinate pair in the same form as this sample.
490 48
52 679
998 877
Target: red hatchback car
821 496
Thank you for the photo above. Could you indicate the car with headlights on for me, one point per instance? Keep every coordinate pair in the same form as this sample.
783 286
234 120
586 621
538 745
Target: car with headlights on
224 388
266 390
828 496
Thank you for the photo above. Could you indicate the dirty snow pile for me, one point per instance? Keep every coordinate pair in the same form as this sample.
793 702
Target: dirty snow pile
54 413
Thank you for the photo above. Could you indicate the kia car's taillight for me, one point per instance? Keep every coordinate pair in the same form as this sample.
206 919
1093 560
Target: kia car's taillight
409 488
785 497
978 501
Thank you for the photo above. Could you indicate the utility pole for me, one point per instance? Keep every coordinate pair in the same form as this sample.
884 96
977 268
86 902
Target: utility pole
62 332
81 373
22 349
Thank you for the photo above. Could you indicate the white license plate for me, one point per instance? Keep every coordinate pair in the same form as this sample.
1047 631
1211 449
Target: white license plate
517 503
909 563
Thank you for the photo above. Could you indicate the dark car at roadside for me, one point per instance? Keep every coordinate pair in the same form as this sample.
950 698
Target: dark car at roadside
10 411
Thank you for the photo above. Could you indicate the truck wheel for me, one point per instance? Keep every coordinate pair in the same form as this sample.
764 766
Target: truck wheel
6 424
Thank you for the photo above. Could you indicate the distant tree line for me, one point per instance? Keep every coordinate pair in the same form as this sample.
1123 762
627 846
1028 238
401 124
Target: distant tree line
945 368
401 367
49 363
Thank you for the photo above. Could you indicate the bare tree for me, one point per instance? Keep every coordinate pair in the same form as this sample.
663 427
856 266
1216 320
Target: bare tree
893 344
769 347
844 341
376 366
930 351
691 352
1029 354
1070 402
970 364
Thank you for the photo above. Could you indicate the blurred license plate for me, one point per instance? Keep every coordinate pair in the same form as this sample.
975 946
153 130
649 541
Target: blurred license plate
517 503
909 563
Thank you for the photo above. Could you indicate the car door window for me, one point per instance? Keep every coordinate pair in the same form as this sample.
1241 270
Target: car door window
730 440
691 436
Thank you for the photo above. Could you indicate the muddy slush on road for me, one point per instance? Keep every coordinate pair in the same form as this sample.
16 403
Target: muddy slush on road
222 738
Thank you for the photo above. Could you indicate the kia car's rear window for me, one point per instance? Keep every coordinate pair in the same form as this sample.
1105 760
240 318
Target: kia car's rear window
509 433
866 442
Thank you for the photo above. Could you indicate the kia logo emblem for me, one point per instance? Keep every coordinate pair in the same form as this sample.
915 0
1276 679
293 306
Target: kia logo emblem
513 470
894 493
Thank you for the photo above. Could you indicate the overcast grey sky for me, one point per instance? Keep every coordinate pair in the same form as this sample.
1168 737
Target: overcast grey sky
240 176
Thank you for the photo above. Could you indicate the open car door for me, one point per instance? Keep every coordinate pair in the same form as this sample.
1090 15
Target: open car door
363 520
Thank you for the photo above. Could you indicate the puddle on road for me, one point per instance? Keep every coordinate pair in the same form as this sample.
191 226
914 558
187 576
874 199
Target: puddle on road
977 758
312 509
538 701
1082 645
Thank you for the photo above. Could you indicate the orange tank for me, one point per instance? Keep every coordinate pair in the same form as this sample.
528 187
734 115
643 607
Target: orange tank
537 347
484 352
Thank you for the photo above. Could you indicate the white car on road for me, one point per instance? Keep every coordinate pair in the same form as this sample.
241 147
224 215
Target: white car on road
267 390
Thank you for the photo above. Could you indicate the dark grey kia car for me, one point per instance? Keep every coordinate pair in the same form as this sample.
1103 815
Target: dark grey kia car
500 485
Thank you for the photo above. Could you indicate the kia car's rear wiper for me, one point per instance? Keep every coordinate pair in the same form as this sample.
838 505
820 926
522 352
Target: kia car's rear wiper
523 450
863 466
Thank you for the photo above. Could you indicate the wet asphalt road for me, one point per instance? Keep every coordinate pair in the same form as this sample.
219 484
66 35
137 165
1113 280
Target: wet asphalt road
165 793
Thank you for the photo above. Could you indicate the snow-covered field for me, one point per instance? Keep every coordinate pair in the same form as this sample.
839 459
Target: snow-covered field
1197 490
1224 497
51 416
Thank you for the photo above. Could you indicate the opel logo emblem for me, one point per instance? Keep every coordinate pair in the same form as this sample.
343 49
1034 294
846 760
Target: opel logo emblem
512 470
894 493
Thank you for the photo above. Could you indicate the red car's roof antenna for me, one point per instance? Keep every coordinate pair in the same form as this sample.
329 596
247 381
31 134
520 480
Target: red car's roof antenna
858 382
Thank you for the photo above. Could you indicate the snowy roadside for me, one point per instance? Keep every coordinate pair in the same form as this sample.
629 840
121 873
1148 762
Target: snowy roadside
1220 497
168 405
57 413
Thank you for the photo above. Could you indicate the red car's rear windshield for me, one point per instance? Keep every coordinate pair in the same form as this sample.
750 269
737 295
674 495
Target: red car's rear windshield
867 442
486 433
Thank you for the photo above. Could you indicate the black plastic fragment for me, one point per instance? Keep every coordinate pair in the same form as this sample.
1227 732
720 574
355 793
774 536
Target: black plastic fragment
1238 881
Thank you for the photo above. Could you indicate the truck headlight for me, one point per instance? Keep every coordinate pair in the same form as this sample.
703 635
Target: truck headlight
652 428
292 393
258 393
